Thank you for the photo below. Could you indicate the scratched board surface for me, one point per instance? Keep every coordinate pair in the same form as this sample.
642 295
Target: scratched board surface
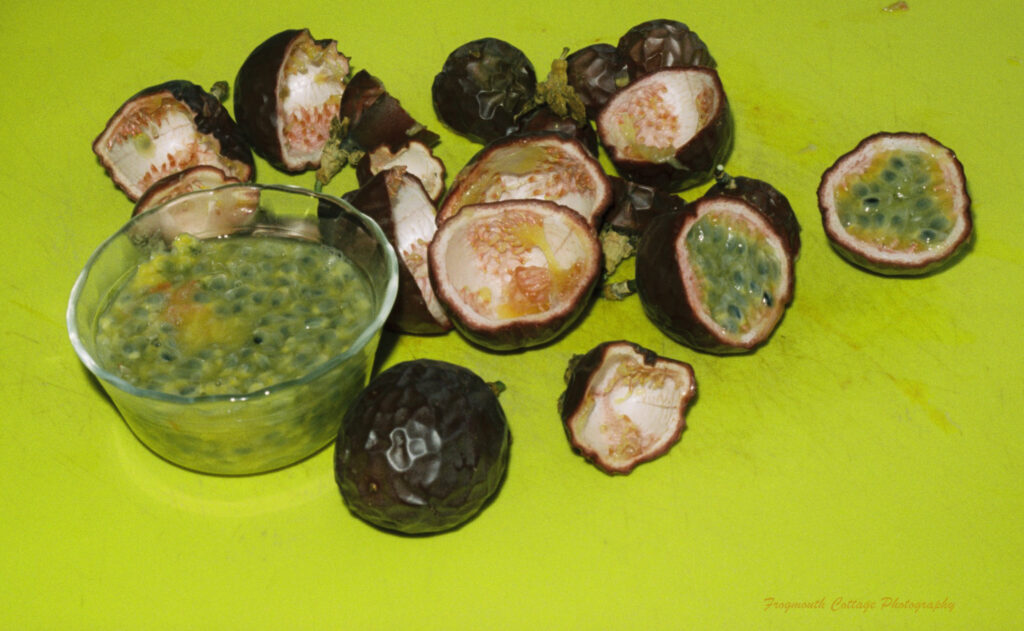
861 470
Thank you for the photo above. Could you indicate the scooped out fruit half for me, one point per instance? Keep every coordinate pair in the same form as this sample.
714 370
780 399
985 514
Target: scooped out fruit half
897 204
624 405
718 276
514 274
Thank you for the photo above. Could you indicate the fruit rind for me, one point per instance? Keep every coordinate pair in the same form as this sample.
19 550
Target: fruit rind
625 405
889 261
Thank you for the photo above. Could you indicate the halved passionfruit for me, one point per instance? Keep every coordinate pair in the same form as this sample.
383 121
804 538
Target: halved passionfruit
670 129
417 159
397 201
897 204
718 276
286 93
514 274
166 128
196 178
544 166
624 405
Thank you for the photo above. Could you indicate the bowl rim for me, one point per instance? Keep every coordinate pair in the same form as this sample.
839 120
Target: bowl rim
371 329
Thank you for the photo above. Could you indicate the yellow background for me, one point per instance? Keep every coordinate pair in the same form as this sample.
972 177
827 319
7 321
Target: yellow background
870 450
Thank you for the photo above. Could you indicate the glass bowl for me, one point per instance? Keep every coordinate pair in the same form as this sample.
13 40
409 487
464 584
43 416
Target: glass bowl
247 432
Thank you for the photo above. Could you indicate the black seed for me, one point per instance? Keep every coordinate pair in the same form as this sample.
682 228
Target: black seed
888 176
734 312
897 162
927 235
922 203
766 298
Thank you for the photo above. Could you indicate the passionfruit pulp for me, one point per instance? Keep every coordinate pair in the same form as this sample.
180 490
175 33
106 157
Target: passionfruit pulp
624 405
897 204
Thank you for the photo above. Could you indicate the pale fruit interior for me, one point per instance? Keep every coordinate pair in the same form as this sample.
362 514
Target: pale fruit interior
417 159
897 201
656 116
516 263
413 214
156 137
537 170
736 270
631 409
313 80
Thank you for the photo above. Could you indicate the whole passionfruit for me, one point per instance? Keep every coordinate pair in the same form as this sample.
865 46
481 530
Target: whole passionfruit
624 405
545 165
718 276
287 91
397 201
483 86
165 129
897 204
664 43
669 129
514 274
423 448
596 72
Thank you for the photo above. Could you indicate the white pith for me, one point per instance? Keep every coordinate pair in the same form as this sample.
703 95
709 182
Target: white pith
856 163
191 179
314 84
735 211
474 276
632 410
551 169
413 214
662 111
417 159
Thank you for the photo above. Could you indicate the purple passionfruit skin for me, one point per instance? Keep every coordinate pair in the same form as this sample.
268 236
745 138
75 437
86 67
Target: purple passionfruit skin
658 44
771 203
288 125
137 152
400 205
670 129
671 278
625 405
195 178
416 157
596 72
897 205
514 274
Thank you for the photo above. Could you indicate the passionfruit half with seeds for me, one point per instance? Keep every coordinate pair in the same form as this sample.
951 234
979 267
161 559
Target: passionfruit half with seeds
897 204
546 166
719 275
423 448
165 129
514 274
287 91
195 178
624 405
669 129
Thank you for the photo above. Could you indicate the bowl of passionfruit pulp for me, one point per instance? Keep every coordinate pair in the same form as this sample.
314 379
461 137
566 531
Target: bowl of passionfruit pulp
231 327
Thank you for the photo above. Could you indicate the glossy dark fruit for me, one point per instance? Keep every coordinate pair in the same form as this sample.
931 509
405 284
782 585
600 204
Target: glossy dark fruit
719 275
417 159
545 166
422 449
483 86
376 118
543 119
897 204
397 201
670 129
658 44
624 405
633 207
286 93
165 129
596 72
514 274
196 178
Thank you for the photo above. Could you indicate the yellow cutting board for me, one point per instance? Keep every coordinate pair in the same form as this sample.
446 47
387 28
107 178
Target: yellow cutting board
861 470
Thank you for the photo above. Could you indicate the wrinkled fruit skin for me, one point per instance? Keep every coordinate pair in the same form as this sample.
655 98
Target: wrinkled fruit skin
656 44
482 87
422 449
596 72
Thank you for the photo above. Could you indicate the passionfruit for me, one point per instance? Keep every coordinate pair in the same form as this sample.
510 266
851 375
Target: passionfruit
514 274
545 166
195 178
633 207
624 405
719 275
397 201
416 157
897 204
669 129
165 129
596 72
287 91
664 43
483 86
423 448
